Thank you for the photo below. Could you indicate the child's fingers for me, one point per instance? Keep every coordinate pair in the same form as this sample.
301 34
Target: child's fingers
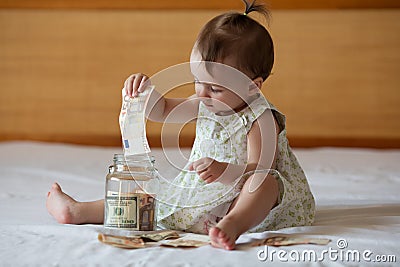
135 85
206 176
194 164
143 84
191 168
128 85
202 167
208 181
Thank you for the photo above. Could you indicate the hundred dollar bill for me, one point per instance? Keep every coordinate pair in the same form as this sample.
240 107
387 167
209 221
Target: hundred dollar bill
133 124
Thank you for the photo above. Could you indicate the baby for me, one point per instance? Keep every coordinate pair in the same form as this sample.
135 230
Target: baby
247 179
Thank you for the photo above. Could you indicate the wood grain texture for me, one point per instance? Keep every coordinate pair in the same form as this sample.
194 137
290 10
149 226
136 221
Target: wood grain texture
184 4
61 71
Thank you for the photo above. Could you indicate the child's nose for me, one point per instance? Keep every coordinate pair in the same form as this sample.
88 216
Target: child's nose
202 91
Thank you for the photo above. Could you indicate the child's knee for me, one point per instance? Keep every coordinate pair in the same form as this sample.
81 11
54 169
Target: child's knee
260 182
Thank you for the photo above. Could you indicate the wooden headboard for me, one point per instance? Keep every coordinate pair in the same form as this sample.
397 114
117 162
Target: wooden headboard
336 75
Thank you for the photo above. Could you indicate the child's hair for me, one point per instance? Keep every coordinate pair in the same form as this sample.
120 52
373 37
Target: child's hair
235 33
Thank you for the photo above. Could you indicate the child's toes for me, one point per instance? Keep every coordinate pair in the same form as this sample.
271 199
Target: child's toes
229 245
223 238
214 234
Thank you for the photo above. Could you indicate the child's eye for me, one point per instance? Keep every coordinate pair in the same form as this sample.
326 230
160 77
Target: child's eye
209 86
215 90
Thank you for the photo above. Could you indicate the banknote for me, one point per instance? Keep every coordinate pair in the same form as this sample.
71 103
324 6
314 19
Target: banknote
159 235
189 240
132 123
138 240
121 241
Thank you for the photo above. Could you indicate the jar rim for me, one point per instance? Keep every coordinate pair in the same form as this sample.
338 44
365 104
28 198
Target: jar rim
138 158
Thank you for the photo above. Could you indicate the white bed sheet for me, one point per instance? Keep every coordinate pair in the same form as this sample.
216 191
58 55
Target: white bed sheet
357 195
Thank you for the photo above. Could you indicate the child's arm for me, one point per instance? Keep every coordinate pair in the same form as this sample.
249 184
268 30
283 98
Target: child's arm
159 108
262 141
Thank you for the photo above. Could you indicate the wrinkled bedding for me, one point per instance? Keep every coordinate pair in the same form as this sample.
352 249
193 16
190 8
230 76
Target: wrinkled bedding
357 195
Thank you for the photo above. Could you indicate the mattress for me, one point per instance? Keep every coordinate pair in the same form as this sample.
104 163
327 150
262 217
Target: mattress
357 195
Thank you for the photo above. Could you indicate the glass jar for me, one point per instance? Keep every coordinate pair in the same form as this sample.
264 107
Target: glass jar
130 194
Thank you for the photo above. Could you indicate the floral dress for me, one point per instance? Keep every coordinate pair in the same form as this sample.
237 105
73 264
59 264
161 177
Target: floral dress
189 204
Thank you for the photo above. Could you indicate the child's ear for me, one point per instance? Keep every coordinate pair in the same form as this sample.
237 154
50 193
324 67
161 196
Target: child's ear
256 85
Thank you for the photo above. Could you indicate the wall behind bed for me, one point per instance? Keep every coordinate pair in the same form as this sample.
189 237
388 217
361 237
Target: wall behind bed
63 63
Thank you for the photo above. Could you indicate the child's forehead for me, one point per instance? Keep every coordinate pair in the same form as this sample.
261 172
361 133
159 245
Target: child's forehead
229 60
221 74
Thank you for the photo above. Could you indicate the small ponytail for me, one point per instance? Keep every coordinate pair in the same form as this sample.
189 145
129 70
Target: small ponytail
256 7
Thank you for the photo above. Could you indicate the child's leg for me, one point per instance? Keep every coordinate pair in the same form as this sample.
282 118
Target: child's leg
248 210
69 211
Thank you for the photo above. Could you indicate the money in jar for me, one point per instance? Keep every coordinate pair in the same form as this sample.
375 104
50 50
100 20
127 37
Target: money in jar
130 193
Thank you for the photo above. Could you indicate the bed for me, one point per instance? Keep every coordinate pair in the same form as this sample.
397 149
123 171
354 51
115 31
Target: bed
63 86
356 191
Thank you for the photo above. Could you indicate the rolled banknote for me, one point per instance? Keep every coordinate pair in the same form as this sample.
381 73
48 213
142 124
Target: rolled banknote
132 123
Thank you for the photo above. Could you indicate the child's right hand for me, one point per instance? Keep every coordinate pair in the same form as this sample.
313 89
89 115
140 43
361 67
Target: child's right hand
135 84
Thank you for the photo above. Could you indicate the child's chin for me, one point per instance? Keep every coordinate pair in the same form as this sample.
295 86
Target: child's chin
215 110
219 111
211 108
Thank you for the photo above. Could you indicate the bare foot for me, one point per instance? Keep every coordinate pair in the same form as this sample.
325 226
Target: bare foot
61 206
224 234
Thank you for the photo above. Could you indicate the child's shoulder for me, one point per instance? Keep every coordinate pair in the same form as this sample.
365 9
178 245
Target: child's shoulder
261 108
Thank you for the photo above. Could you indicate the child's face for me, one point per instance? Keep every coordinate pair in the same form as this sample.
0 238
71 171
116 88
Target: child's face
218 99
222 88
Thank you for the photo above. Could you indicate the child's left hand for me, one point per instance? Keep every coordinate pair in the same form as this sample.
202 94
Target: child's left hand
208 169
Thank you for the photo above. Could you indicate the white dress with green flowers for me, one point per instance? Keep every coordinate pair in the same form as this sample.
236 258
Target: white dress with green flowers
189 204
